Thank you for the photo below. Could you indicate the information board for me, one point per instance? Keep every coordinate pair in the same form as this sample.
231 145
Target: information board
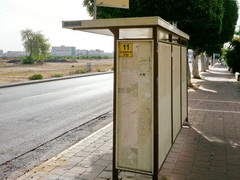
134 106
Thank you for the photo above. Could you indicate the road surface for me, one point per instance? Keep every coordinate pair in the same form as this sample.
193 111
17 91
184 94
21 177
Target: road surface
31 115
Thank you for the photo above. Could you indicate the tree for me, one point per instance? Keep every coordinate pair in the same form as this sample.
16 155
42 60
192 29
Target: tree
36 45
202 26
229 20
233 55
230 16
201 19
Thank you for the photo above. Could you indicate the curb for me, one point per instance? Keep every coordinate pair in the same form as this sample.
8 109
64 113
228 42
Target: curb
54 79
54 158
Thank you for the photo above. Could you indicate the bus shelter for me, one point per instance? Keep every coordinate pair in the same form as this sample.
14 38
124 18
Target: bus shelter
150 89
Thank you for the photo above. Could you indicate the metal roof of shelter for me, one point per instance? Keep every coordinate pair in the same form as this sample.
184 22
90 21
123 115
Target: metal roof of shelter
104 26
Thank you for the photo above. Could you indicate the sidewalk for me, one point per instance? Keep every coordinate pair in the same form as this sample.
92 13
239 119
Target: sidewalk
208 150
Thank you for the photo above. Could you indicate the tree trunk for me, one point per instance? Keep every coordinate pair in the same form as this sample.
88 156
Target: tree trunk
214 59
207 63
195 71
189 83
203 69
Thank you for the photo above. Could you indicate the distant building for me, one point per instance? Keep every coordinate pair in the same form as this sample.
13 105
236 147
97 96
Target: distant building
15 53
83 52
12 54
96 52
63 51
71 51
91 53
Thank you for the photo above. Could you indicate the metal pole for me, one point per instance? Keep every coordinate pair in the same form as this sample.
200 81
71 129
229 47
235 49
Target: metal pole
95 10
116 37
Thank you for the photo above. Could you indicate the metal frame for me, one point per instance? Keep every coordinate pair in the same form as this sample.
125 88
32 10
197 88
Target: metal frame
155 108
184 46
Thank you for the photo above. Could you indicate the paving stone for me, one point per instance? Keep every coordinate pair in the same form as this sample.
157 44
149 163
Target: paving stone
189 159
183 168
174 154
89 175
33 178
86 163
109 167
102 162
59 171
180 176
96 169
105 174
69 164
167 165
197 176
170 160
83 153
166 172
217 176
68 176
200 169
198 163
98 178
107 157
92 158
68 155
77 170
49 177
76 159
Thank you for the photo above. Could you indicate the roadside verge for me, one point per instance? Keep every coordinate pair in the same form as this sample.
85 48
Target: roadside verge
53 79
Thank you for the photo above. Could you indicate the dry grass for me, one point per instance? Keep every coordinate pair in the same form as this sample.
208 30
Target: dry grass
10 72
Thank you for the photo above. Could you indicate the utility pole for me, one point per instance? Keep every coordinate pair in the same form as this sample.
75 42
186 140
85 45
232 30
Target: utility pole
95 9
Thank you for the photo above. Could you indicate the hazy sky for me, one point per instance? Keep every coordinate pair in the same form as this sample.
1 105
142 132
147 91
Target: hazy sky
46 16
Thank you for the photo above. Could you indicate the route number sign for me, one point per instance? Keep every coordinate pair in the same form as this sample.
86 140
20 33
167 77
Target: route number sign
125 50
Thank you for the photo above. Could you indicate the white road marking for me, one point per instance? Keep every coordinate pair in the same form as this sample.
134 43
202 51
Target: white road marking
37 96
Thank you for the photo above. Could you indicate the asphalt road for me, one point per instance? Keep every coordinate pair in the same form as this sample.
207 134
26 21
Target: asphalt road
31 115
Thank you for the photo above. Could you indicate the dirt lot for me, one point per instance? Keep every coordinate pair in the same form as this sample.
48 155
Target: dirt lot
16 72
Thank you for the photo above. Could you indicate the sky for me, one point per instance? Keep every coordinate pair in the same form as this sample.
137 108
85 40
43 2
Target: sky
46 16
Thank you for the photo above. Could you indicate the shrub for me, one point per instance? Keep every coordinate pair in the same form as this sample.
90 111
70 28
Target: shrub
232 55
27 60
35 77
57 75
80 71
